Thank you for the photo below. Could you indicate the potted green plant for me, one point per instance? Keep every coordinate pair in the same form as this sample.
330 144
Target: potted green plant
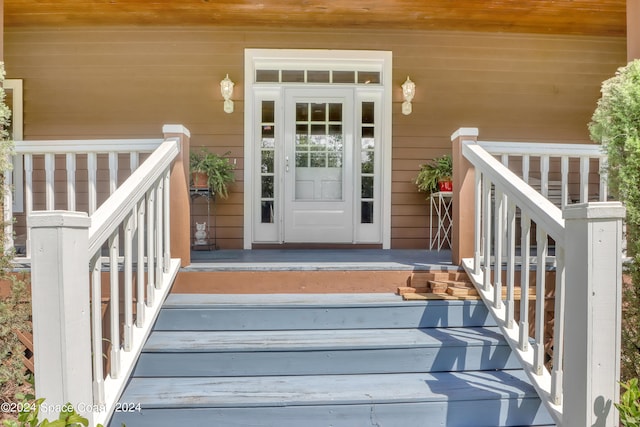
212 171
435 175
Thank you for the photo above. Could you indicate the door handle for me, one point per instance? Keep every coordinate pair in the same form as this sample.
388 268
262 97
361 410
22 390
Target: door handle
286 164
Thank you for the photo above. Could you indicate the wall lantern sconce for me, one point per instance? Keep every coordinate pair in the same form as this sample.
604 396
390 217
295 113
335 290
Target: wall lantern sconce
408 92
226 88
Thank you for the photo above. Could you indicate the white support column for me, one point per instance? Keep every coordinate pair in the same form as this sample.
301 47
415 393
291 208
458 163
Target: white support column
593 243
61 312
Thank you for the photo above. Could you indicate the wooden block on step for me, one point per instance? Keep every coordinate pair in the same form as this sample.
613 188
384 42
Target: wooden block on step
405 290
427 296
458 275
458 292
438 287
423 278
460 283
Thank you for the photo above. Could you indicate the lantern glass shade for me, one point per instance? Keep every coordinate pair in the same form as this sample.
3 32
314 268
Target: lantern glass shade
226 87
408 90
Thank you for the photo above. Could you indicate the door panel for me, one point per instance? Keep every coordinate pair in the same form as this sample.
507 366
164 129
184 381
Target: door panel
318 203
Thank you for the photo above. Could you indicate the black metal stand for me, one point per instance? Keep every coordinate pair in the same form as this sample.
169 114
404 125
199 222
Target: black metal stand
209 242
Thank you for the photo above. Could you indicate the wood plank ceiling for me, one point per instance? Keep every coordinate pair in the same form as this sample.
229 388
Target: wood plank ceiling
577 17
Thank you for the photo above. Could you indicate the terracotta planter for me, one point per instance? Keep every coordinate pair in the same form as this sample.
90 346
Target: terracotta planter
445 185
199 180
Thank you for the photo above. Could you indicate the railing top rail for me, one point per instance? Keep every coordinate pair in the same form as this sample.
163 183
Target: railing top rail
536 206
113 212
86 146
538 148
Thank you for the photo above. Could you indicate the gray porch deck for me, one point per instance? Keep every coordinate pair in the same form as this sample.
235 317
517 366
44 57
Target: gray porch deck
321 259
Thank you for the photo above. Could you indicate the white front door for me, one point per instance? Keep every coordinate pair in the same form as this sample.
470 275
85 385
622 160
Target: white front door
319 172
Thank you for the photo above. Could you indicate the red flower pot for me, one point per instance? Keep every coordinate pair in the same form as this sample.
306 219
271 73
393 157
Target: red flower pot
445 185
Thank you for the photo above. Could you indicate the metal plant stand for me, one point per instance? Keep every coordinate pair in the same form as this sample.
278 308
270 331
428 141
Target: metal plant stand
209 241
441 203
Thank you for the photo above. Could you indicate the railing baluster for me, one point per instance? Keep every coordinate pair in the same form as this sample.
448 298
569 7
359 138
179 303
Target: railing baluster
150 247
71 181
511 263
113 172
477 231
486 227
604 178
28 197
96 329
50 177
564 171
525 246
92 173
541 253
134 161
167 220
544 175
558 329
140 310
159 229
525 168
584 179
497 250
114 301
128 281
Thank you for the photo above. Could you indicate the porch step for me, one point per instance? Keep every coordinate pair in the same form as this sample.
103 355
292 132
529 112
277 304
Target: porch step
343 360
313 312
451 399
223 354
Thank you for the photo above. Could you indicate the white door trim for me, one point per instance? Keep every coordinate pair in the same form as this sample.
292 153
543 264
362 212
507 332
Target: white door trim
315 59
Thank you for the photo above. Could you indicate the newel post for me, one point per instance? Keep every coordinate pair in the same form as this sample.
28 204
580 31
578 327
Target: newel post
180 206
463 197
61 310
593 248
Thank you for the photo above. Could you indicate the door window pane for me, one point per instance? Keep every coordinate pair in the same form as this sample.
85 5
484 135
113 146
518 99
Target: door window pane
318 112
268 145
267 187
318 76
367 162
266 212
344 77
293 76
368 77
366 212
319 159
267 76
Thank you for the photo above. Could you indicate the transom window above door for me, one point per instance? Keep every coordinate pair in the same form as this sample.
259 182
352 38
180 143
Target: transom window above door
318 76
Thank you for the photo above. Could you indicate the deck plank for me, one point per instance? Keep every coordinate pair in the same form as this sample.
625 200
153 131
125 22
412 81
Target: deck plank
327 389
249 341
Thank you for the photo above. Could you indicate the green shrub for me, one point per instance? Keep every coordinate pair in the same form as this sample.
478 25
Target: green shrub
15 312
616 125
629 406
30 412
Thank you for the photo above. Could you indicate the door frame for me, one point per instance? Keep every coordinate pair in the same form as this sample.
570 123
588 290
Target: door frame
334 59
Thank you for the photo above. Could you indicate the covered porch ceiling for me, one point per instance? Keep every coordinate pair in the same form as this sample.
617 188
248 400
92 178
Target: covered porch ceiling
572 17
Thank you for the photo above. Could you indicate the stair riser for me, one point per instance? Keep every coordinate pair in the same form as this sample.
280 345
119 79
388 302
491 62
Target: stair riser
465 314
451 414
325 362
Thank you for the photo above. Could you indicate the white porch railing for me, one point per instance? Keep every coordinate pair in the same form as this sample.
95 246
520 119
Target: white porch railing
94 298
582 385
572 160
80 171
